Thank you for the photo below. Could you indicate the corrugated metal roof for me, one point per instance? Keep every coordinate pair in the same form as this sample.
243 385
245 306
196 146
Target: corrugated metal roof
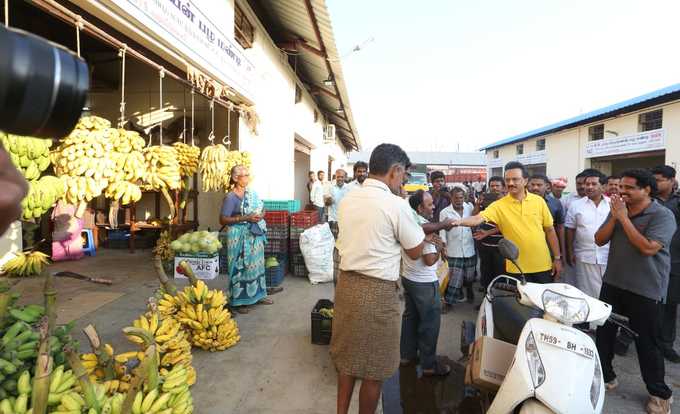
292 17
476 159
649 99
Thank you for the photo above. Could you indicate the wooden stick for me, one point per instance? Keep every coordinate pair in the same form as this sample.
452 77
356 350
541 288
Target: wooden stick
43 369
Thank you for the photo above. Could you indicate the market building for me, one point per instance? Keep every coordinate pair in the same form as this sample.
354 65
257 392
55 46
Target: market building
457 166
634 133
262 77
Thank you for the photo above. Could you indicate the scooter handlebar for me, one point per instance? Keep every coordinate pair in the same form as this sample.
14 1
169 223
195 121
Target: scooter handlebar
622 322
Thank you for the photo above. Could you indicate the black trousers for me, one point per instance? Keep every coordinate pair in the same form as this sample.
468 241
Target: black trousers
537 277
669 321
491 263
645 319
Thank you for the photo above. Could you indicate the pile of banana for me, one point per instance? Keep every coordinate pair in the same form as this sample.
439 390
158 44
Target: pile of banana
172 397
62 393
162 168
188 158
170 338
26 264
130 167
117 379
213 167
202 311
83 159
29 155
42 194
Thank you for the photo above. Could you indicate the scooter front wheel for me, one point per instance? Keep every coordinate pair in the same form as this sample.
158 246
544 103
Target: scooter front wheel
533 406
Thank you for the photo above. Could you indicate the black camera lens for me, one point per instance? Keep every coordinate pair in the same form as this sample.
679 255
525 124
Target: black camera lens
43 86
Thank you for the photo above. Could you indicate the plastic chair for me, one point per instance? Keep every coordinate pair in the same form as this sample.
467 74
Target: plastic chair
88 245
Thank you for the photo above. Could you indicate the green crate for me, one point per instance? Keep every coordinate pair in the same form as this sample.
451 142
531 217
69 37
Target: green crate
291 206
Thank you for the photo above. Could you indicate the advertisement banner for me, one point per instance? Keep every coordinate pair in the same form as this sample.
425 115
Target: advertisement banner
644 141
196 30
495 163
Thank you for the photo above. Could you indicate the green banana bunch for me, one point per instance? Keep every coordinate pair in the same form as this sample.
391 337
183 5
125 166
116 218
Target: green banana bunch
29 155
42 194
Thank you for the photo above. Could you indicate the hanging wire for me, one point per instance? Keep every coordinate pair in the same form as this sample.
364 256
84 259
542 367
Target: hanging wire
184 116
192 116
227 139
79 26
6 13
122 53
160 101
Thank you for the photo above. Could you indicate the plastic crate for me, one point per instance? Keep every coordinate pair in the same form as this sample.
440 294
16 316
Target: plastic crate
274 275
295 246
276 246
295 232
298 267
277 218
322 326
304 219
290 206
118 235
277 231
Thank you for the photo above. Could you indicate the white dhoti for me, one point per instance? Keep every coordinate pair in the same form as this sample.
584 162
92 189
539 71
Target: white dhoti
588 277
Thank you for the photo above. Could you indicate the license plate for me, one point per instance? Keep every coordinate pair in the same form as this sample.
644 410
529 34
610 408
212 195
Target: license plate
570 346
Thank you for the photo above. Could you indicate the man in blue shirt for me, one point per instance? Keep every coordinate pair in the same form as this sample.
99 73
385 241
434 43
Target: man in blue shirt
337 192
538 184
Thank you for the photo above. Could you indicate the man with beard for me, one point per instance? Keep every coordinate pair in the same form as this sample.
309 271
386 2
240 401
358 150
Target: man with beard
613 182
440 196
524 219
360 172
635 284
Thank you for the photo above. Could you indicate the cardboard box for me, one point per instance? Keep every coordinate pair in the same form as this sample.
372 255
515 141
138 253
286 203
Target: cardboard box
490 361
205 266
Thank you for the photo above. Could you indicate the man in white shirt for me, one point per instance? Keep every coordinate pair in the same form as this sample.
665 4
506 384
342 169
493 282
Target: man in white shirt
318 195
421 320
460 250
584 218
337 193
571 197
375 225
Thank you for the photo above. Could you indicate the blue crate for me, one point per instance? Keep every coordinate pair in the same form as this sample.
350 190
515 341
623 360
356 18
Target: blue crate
274 275
291 206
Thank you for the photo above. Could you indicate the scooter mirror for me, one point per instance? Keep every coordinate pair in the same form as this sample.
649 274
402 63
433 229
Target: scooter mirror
508 249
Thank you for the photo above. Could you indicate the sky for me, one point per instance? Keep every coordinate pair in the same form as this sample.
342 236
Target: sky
455 75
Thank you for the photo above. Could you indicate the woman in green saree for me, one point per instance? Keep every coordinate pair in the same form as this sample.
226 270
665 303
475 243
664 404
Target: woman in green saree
242 211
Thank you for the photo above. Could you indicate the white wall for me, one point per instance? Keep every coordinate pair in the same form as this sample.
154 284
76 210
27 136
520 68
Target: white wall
10 242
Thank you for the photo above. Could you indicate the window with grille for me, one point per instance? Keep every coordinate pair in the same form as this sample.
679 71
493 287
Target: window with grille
540 144
496 154
596 132
520 149
243 29
650 120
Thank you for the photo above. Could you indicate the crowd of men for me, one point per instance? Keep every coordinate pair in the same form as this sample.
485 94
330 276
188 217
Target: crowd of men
614 238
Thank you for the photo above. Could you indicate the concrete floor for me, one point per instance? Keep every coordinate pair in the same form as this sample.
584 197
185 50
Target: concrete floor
275 368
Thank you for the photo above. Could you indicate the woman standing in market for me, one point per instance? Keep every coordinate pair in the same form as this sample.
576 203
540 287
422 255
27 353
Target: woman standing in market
242 213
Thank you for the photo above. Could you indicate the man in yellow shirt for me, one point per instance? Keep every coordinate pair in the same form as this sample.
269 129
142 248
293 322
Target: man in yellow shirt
524 219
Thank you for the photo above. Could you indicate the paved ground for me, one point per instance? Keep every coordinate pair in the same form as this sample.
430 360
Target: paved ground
275 368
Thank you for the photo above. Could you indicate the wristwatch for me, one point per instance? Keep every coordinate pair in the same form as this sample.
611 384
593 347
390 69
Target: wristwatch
558 258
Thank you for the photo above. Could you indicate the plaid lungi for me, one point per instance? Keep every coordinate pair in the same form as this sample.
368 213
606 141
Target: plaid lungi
366 327
462 270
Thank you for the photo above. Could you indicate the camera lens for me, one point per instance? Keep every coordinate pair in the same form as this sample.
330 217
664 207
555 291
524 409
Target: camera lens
43 86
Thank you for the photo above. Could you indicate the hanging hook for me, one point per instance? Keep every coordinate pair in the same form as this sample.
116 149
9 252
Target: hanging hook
184 125
121 53
227 139
212 121
161 74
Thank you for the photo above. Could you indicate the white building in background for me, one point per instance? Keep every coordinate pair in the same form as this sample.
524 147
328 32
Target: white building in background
639 132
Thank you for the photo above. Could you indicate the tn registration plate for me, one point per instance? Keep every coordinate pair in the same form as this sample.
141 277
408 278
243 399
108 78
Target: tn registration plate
571 346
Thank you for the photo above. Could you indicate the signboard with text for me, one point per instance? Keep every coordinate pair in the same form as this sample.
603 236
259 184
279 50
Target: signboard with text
495 163
537 157
195 30
644 141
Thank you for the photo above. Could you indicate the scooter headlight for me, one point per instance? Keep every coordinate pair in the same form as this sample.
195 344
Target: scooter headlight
596 385
534 360
566 309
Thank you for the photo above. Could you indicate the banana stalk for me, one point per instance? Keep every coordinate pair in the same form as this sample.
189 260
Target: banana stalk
50 294
143 334
171 203
5 300
105 360
83 379
138 379
167 284
188 272
43 369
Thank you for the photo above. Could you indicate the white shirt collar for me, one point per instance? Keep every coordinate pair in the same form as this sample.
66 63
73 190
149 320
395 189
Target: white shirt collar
371 182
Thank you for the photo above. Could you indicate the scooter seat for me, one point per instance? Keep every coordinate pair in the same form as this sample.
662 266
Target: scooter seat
509 316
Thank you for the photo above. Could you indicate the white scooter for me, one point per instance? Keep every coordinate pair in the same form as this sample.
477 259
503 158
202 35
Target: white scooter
556 367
